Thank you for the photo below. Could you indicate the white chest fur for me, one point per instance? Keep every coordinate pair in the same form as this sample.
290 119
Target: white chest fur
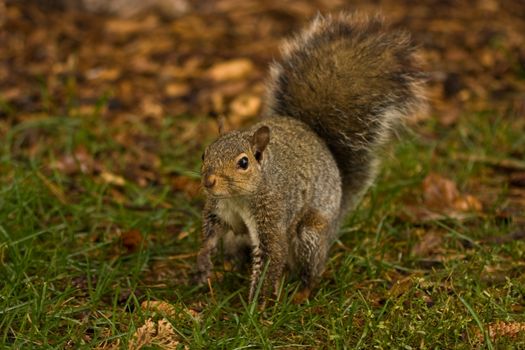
235 213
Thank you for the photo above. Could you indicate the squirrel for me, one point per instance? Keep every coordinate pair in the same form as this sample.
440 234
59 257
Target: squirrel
282 187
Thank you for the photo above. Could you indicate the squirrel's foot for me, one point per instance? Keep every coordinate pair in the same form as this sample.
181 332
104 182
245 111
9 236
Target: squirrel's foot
200 278
301 296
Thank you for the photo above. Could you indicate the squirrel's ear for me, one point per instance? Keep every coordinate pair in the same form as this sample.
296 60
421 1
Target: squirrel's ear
260 140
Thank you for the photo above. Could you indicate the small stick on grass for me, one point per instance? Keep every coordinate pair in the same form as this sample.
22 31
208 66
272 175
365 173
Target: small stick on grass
53 188
211 291
507 163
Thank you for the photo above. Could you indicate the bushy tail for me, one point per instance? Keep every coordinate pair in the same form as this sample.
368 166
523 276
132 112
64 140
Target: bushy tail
352 81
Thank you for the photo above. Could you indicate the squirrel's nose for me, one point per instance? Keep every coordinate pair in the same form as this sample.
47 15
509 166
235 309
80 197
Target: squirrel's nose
210 181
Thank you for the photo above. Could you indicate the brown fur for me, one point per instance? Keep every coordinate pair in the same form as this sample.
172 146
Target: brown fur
343 84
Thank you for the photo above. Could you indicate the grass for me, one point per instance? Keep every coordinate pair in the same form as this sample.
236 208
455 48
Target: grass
68 280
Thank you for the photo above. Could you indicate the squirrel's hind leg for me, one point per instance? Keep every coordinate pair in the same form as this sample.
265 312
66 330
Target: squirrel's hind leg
310 250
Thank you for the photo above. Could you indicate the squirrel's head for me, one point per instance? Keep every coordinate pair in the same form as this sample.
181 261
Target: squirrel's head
232 164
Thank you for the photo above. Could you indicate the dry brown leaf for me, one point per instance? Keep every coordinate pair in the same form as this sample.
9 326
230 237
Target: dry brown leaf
517 179
418 213
160 307
187 185
449 116
78 162
467 203
502 329
119 26
143 335
196 315
495 275
428 243
106 344
104 74
400 287
182 235
231 70
176 89
152 108
509 237
132 240
439 192
242 108
441 199
160 333
192 131
112 179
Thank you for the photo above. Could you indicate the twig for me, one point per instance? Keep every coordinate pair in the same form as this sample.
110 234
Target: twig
57 191
508 163
211 291
182 256
513 236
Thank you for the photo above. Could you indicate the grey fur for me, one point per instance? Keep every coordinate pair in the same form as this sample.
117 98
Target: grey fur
352 81
343 84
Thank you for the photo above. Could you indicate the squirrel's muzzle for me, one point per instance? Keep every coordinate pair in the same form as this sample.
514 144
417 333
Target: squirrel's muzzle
210 180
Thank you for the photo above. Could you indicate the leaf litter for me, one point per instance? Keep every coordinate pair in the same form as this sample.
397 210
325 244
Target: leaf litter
442 200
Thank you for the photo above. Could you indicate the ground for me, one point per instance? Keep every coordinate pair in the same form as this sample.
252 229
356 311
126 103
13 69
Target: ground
102 126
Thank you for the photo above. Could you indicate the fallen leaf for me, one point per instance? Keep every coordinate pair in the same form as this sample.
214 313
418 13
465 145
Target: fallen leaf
189 186
231 70
159 306
112 179
441 200
501 329
449 116
152 108
195 314
517 179
494 275
513 236
439 192
242 108
176 89
79 161
418 213
182 235
467 203
400 287
132 240
124 27
107 343
192 131
102 73
160 334
428 243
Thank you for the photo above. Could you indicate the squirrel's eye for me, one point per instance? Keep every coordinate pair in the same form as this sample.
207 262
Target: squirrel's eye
202 157
243 163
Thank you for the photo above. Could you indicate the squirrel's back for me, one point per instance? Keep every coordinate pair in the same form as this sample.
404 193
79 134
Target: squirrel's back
352 81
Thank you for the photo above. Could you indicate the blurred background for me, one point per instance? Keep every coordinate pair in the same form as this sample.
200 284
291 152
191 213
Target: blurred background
138 61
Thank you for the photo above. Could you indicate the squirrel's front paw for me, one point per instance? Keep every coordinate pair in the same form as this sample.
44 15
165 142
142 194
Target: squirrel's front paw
200 278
